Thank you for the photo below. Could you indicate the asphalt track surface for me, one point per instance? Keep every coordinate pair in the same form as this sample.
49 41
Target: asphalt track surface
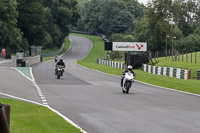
94 100
13 83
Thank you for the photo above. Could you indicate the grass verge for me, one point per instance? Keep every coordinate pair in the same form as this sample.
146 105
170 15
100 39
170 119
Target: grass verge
97 51
193 67
46 51
31 118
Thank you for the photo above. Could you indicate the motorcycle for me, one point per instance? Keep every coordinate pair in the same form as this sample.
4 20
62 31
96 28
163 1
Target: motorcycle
127 82
56 59
59 71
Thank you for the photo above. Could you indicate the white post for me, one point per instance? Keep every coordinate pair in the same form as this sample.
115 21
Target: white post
178 73
171 72
159 70
164 70
149 68
145 67
154 70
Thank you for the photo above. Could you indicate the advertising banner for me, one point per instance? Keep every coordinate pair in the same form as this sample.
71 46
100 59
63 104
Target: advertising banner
129 46
3 52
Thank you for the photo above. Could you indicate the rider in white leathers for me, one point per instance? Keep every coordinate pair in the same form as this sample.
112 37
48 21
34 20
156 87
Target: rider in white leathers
129 68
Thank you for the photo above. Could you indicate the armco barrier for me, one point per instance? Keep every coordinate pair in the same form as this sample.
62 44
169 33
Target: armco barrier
54 53
32 60
111 63
28 61
169 71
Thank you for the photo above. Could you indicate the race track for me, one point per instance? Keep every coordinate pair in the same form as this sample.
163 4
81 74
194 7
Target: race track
94 100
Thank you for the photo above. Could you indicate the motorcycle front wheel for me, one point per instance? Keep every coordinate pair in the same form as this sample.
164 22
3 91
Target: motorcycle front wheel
58 76
123 90
127 87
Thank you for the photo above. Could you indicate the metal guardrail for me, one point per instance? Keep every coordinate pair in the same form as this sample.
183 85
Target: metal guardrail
53 53
110 63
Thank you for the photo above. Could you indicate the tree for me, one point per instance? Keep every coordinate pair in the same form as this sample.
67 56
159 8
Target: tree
62 14
10 35
158 22
122 38
185 18
115 17
46 23
110 16
32 21
65 14
191 43
91 15
197 13
135 8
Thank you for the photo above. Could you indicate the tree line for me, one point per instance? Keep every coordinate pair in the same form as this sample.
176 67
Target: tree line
46 23
159 23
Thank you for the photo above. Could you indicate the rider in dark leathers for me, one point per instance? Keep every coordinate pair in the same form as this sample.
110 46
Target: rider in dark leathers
60 63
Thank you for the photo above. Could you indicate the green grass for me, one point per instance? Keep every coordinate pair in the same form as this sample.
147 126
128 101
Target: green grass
45 51
97 51
192 86
66 47
193 67
31 118
190 57
47 58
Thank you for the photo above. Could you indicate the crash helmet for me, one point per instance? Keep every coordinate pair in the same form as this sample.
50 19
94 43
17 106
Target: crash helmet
129 67
61 59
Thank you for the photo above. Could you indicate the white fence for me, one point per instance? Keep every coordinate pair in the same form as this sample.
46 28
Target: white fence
168 71
111 63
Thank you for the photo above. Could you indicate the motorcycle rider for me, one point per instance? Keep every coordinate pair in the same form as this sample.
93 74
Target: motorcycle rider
60 63
56 58
128 69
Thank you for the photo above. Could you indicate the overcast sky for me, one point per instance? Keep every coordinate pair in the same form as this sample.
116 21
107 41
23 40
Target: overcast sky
143 1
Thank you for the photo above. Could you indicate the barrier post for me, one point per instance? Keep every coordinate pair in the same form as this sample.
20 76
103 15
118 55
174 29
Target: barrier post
4 118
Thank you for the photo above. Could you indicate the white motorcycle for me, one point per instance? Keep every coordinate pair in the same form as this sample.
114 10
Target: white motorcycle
127 82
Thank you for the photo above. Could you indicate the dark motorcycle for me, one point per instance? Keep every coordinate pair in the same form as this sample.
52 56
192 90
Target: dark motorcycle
59 71
56 59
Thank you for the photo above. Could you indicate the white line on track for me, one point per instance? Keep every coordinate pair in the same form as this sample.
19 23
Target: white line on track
137 80
45 105
22 74
22 99
142 82
44 101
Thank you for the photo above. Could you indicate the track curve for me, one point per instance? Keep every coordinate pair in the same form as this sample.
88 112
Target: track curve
94 100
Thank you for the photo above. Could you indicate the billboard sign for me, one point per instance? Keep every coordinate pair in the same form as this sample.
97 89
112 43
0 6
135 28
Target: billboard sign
3 52
129 46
